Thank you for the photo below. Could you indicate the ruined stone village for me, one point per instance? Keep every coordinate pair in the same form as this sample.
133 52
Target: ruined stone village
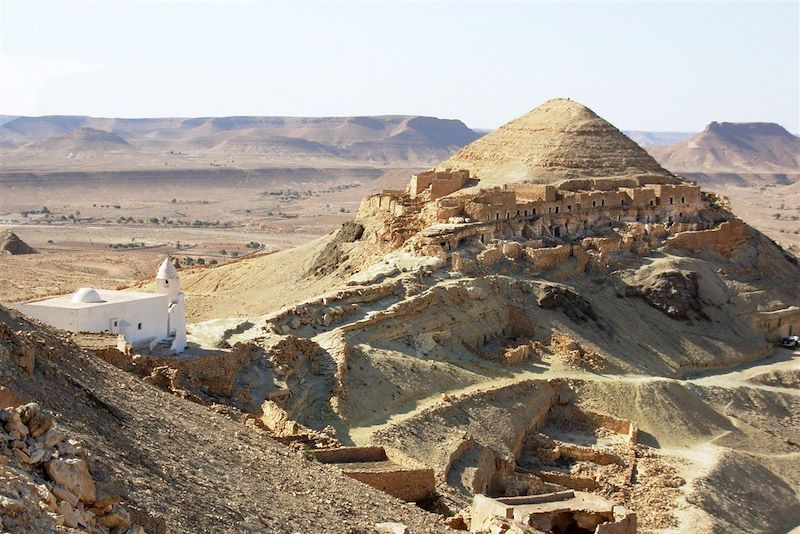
548 332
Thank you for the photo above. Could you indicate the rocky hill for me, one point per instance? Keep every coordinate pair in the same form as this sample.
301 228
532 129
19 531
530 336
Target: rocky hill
40 143
557 140
10 243
511 334
549 313
756 148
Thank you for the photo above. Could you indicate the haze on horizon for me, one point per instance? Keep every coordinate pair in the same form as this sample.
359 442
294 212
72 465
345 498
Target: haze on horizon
667 67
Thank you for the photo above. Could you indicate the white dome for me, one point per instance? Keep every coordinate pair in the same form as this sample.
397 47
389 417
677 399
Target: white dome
86 295
166 271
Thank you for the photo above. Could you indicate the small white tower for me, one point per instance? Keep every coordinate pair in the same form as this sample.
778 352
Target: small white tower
168 283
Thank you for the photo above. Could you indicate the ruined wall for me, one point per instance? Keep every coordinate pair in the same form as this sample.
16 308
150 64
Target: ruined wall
544 259
441 183
533 192
411 485
722 239
572 208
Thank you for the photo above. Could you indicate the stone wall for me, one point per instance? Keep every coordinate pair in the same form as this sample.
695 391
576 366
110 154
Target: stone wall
722 239
373 466
543 259
441 183
411 485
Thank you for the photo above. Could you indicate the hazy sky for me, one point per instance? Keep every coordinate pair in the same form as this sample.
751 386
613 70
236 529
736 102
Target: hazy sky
667 66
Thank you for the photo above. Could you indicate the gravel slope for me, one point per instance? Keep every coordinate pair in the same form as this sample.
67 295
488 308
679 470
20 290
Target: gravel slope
201 471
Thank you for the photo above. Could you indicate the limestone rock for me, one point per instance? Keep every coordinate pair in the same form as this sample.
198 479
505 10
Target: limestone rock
392 528
9 505
73 474
675 293
70 515
564 299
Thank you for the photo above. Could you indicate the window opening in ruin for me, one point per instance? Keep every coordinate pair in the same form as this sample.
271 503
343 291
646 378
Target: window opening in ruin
533 211
671 200
497 216
594 203
569 207
651 202
517 213
683 200
140 326
603 202
556 209
557 231
508 215
526 213
622 202
670 219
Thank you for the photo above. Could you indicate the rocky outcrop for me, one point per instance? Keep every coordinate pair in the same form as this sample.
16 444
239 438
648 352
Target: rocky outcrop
675 293
335 254
11 244
565 300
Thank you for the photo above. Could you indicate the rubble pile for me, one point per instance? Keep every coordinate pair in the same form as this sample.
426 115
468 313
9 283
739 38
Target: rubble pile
45 481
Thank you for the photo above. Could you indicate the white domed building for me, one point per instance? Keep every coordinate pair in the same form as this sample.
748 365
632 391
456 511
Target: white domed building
141 318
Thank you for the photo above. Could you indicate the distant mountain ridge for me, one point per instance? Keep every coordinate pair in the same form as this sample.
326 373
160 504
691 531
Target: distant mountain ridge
738 148
647 138
41 143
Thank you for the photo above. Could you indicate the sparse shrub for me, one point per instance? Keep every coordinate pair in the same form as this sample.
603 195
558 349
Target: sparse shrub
212 262
201 261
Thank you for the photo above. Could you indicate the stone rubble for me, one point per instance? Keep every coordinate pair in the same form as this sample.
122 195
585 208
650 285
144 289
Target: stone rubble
45 480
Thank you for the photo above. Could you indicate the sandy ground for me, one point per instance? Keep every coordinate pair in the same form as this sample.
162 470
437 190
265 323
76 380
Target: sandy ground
773 209
278 213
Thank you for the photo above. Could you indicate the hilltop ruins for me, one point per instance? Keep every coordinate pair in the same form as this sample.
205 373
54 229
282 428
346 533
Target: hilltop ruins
546 333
